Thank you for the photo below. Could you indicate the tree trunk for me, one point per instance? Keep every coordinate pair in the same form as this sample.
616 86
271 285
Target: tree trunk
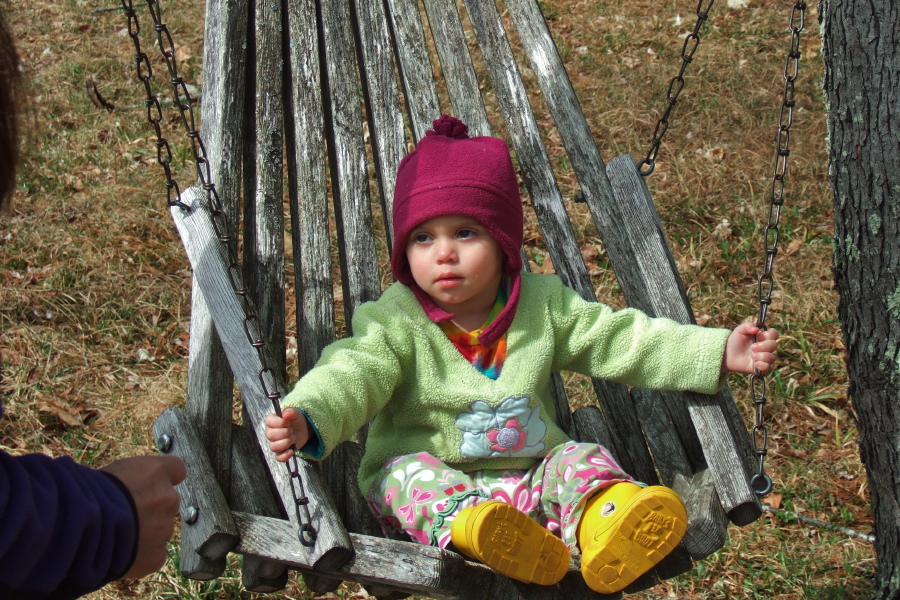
861 45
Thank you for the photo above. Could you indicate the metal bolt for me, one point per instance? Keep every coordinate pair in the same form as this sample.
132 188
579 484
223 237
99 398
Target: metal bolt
164 443
190 515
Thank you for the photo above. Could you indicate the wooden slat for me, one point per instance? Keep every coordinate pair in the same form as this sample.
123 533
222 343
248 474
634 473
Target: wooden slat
423 105
406 567
707 522
627 443
210 383
210 265
248 494
264 209
340 475
305 126
350 185
591 425
382 101
456 65
650 281
401 565
213 534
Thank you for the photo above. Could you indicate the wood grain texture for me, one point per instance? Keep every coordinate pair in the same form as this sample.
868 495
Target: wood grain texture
350 185
213 534
307 184
405 567
637 248
382 95
707 522
252 493
264 209
209 262
210 383
456 65
419 88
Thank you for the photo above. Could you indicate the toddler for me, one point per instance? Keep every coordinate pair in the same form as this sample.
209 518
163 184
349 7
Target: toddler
453 362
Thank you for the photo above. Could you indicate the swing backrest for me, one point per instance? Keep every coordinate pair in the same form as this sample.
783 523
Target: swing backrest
336 91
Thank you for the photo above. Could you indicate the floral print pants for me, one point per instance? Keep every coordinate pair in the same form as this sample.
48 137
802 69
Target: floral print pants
417 495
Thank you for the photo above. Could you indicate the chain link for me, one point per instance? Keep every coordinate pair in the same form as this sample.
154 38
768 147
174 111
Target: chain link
691 42
218 217
761 482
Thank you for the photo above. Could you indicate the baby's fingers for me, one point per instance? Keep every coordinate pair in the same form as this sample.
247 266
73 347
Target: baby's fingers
768 334
283 448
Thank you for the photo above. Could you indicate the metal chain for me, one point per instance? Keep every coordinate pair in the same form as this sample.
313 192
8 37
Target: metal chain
691 42
252 329
761 482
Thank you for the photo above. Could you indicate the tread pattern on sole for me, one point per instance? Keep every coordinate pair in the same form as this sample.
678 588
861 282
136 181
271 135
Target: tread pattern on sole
648 529
510 542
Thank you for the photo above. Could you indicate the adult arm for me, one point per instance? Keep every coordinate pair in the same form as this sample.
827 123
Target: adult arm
66 529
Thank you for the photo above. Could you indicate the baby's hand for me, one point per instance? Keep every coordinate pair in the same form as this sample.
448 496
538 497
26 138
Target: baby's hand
287 432
742 355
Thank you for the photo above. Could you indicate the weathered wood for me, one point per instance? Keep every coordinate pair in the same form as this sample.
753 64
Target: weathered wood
350 185
305 124
590 425
662 437
340 475
456 65
210 383
707 522
382 96
207 527
209 261
416 77
399 565
263 206
251 493
402 566
637 247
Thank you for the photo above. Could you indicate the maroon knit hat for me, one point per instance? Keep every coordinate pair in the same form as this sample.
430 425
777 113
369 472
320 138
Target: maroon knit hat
450 173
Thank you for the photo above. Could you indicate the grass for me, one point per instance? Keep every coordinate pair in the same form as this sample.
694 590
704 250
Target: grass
94 306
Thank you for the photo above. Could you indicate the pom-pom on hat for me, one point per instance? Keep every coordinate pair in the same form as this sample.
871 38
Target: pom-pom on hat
450 173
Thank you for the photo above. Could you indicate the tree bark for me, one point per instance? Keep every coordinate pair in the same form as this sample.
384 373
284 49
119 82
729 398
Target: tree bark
861 45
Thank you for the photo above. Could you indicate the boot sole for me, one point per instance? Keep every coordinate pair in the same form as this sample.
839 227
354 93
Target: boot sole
510 542
648 528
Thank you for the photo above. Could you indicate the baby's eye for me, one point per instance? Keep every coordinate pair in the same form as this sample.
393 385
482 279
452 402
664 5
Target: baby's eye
421 238
465 234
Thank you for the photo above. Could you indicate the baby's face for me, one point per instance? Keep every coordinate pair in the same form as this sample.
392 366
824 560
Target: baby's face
456 262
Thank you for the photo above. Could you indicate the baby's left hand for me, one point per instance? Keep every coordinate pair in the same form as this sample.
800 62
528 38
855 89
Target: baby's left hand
743 355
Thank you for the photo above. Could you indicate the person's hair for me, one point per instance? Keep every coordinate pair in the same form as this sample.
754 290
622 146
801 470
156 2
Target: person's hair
11 94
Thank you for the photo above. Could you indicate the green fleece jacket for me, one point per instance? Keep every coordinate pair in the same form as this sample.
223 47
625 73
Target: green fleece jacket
401 369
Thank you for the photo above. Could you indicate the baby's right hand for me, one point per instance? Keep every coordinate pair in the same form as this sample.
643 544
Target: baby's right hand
286 432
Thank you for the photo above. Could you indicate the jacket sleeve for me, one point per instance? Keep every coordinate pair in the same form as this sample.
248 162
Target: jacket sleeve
65 529
352 382
629 347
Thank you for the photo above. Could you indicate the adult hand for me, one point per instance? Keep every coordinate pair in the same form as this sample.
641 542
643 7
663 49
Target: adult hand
151 481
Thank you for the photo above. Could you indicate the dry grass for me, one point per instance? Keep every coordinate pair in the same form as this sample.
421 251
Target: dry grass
95 288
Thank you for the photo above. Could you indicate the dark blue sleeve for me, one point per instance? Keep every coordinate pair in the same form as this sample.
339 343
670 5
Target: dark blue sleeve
65 529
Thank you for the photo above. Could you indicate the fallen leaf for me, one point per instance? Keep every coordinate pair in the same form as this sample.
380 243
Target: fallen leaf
65 417
773 500
94 94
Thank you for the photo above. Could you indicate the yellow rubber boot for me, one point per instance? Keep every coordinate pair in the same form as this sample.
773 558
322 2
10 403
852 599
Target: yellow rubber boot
625 530
510 542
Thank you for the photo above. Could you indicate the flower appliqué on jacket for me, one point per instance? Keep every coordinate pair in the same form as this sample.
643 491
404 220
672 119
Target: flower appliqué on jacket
510 429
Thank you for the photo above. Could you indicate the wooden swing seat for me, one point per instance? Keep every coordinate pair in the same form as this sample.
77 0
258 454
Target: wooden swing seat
344 87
